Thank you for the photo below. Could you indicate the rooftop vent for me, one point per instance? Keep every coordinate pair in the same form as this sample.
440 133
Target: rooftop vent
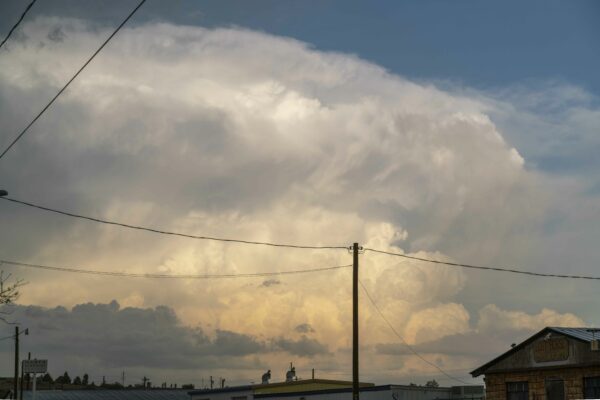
266 376
290 376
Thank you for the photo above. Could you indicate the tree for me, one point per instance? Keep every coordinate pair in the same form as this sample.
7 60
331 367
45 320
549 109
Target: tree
85 380
47 378
432 383
64 379
77 381
8 293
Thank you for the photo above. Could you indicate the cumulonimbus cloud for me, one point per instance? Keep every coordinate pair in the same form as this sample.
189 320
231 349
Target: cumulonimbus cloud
235 133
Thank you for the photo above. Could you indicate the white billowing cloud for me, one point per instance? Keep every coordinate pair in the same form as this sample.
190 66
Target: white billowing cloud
234 133
491 317
437 322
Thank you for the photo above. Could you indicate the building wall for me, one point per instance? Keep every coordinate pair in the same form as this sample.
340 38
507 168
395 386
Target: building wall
227 395
495 383
404 393
304 386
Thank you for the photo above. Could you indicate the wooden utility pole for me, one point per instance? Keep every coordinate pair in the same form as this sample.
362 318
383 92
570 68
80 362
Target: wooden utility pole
16 382
355 393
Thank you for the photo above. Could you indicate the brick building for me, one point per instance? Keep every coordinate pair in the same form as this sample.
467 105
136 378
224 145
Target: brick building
553 364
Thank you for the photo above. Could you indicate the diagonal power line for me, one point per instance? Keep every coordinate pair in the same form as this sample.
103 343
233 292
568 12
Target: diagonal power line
164 232
18 22
172 276
20 135
404 341
470 266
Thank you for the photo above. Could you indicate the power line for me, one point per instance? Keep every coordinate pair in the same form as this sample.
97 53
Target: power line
171 276
403 340
163 232
514 271
71 80
287 245
18 22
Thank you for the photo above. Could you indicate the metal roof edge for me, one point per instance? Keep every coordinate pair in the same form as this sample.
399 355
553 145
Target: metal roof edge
322 391
221 390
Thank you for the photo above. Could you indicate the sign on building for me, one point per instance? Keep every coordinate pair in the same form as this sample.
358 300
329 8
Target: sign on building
35 366
556 349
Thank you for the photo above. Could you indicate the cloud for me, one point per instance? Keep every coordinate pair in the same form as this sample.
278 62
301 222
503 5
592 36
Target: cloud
108 337
436 322
271 282
491 336
493 318
304 347
235 133
304 328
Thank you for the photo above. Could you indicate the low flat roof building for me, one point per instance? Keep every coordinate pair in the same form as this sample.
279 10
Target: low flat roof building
249 392
554 364
322 389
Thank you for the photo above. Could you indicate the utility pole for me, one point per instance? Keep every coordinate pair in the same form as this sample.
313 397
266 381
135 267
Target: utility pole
16 382
355 393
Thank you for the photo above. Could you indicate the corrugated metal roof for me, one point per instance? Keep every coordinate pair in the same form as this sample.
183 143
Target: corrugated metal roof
578 333
108 395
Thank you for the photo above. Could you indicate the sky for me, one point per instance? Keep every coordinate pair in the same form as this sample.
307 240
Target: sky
456 131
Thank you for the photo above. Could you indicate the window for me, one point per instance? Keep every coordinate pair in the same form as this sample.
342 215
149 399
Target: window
591 387
517 391
474 390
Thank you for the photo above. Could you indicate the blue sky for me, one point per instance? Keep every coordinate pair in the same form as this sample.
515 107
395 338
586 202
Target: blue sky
478 43
481 44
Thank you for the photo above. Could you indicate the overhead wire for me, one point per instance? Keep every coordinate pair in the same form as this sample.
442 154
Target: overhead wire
172 276
412 350
164 232
288 245
20 135
18 22
7 337
470 266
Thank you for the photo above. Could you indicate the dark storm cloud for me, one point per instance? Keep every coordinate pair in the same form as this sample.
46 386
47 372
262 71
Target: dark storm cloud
271 282
304 328
303 347
111 336
56 35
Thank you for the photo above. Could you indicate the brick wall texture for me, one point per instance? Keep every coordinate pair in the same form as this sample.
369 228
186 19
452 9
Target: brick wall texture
495 384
